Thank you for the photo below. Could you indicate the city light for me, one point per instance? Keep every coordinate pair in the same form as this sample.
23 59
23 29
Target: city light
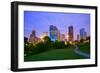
55 34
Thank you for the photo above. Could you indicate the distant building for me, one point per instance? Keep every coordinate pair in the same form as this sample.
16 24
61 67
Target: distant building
78 38
62 37
43 35
33 33
33 39
70 33
83 34
59 36
53 33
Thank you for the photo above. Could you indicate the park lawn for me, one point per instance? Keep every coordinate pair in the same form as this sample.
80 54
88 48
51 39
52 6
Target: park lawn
55 54
85 47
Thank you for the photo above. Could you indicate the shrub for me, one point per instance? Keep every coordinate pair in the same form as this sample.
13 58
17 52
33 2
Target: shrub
40 47
59 45
28 48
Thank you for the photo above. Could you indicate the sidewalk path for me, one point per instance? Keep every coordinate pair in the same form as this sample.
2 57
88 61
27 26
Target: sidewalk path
77 50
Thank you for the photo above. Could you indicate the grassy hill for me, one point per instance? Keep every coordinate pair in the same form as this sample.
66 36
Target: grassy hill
85 47
55 54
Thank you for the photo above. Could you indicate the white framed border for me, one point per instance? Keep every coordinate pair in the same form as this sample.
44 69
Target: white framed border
22 64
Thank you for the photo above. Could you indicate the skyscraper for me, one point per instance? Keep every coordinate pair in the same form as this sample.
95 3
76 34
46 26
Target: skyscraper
78 38
33 33
53 33
83 34
62 37
33 39
59 36
70 33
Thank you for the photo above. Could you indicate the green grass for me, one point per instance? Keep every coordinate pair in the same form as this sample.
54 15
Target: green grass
56 54
85 47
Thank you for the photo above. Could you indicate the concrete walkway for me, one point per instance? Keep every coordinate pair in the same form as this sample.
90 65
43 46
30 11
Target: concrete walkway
77 50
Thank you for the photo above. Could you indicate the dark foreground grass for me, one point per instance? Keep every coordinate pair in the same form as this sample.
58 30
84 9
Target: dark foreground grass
56 54
85 47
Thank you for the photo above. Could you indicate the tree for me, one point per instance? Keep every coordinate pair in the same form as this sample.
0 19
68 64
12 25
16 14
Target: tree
81 40
47 39
25 39
59 44
28 48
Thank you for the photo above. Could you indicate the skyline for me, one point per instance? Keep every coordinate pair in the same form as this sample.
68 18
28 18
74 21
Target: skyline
40 21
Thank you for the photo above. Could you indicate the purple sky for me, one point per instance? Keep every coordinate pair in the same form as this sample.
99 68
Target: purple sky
40 21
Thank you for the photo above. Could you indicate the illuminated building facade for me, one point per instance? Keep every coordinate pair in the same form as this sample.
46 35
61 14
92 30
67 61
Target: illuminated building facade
70 33
33 39
62 37
59 36
83 34
53 33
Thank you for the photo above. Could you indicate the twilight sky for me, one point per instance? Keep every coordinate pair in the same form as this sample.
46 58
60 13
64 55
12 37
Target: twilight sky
40 21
